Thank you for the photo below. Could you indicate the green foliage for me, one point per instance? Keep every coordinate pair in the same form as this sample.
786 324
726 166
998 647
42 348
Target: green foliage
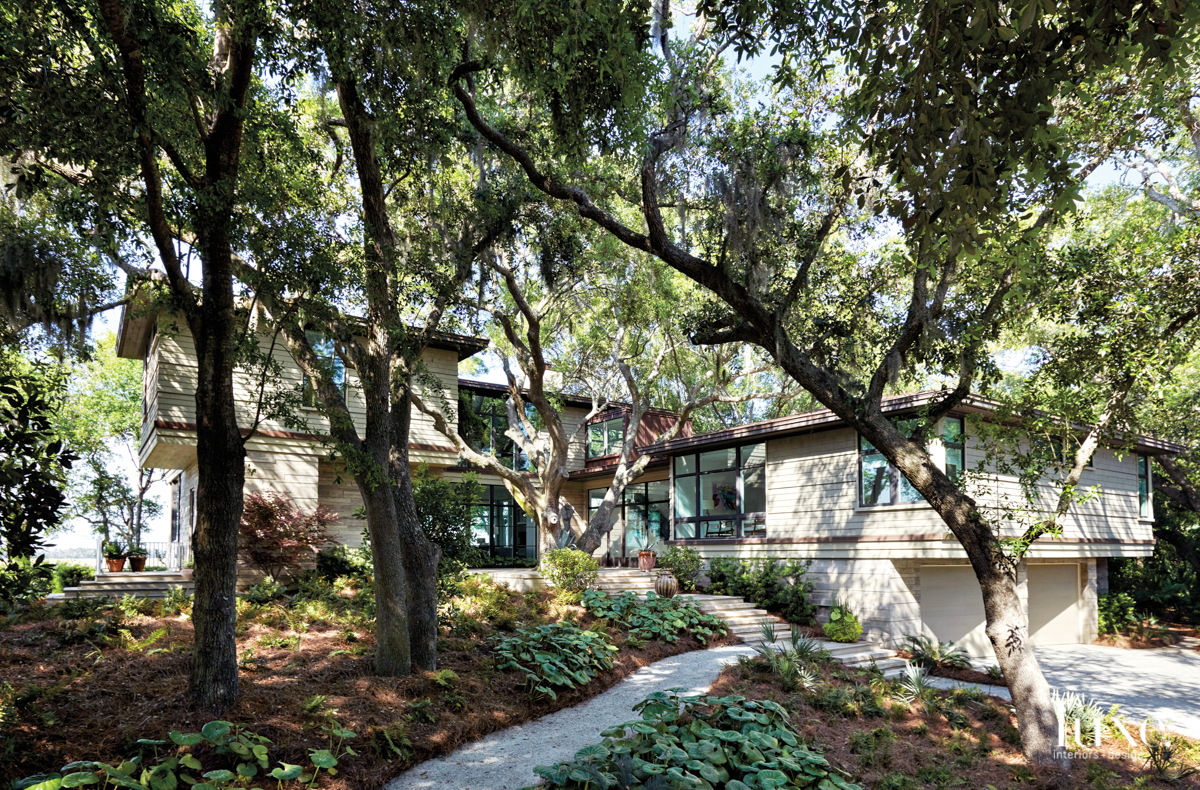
266 590
776 585
67 574
843 625
555 656
445 510
337 561
664 619
131 605
570 571
720 742
33 464
873 747
113 550
684 563
929 653
1116 612
177 601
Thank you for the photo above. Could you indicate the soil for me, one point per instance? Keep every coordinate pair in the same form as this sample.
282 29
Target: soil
93 700
928 753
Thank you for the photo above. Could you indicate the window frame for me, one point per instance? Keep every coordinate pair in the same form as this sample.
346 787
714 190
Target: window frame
604 432
895 479
493 409
308 393
520 522
736 521
622 508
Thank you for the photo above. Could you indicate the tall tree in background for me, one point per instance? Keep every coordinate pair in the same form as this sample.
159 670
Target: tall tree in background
139 114
956 120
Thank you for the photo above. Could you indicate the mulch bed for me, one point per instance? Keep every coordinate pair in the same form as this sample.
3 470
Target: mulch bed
1178 631
928 752
93 701
968 676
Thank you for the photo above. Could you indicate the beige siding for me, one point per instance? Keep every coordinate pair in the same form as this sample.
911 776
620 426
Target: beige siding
338 492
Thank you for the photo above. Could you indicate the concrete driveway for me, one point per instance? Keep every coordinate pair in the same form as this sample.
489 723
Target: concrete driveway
1163 684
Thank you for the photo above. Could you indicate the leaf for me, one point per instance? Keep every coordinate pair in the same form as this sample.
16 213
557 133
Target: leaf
190 761
285 772
216 729
39 782
190 739
321 758
247 770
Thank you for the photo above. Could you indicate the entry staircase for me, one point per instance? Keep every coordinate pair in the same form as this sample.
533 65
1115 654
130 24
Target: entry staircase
745 621
150 584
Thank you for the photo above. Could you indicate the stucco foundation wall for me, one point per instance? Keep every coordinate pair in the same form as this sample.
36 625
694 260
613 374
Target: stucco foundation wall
880 592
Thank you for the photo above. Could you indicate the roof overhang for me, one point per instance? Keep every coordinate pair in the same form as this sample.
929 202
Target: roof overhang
138 319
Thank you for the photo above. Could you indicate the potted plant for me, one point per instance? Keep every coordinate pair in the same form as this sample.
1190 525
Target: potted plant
188 570
647 557
114 555
137 559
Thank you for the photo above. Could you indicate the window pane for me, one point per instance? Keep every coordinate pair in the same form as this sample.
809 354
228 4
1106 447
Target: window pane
1143 498
616 434
685 465
952 430
754 490
718 494
876 482
685 498
657 522
685 531
1141 466
635 494
636 537
595 444
659 491
864 445
718 459
596 497
500 494
718 529
754 455
754 528
954 463
481 526
907 427
503 530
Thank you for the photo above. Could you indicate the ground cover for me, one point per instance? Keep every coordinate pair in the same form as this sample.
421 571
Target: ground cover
85 682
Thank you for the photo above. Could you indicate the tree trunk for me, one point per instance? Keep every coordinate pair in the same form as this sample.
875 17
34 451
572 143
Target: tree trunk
222 474
393 649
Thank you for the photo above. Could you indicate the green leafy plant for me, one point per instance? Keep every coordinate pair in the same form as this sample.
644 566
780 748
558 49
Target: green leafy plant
778 586
843 625
113 550
136 551
728 742
555 656
570 571
132 606
1164 755
177 601
1116 612
995 673
929 653
664 619
276 536
68 574
684 563
266 590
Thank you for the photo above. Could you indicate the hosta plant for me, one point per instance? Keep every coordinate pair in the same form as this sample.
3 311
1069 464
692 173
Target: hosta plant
724 743
555 656
665 619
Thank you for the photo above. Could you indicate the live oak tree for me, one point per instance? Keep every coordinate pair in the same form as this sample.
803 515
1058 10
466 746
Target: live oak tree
950 131
141 115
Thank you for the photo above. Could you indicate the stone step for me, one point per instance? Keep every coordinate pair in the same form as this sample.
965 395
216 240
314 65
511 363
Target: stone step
123 588
731 608
130 575
864 657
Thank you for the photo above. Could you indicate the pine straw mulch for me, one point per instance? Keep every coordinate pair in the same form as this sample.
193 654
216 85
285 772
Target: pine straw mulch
93 701
927 752
1129 642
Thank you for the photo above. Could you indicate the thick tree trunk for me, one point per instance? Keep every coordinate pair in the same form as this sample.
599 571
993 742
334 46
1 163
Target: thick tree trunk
222 474
393 647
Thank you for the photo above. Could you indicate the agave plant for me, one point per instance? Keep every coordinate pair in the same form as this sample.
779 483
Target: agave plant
931 653
766 629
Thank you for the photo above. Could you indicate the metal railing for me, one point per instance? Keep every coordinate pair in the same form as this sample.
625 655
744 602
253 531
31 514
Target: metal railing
173 554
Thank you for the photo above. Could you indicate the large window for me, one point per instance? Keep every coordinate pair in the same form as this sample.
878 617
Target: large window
643 517
500 528
483 422
324 349
606 437
1143 475
721 493
880 483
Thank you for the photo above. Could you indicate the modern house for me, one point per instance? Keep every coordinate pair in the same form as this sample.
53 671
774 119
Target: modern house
804 487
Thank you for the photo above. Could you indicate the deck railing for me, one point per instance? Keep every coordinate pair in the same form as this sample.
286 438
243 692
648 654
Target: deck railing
173 554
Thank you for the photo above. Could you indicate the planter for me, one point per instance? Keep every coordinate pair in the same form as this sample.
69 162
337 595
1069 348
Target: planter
137 564
115 564
187 573
646 560
666 586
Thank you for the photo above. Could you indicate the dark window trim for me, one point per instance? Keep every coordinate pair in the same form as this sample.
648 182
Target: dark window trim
740 518
1145 501
520 519
608 451
622 508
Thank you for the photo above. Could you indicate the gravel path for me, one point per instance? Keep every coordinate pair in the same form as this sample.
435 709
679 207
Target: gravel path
505 760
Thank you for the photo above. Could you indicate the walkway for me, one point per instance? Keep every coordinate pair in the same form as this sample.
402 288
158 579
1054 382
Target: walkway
505 759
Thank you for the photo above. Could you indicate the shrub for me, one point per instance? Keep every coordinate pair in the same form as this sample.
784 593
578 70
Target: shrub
555 656
70 575
266 590
730 742
684 563
276 536
843 626
570 570
23 581
775 585
176 602
334 562
1116 612
929 652
654 618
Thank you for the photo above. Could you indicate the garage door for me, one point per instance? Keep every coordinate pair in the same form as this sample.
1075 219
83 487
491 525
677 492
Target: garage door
952 607
1054 604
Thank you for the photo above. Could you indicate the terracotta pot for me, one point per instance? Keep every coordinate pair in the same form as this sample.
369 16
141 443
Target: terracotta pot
115 564
137 564
666 585
646 560
187 573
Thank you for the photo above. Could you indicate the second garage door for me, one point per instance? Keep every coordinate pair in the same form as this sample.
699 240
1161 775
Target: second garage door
1054 604
952 607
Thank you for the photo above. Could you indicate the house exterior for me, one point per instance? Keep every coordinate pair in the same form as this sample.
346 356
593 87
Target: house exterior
804 487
